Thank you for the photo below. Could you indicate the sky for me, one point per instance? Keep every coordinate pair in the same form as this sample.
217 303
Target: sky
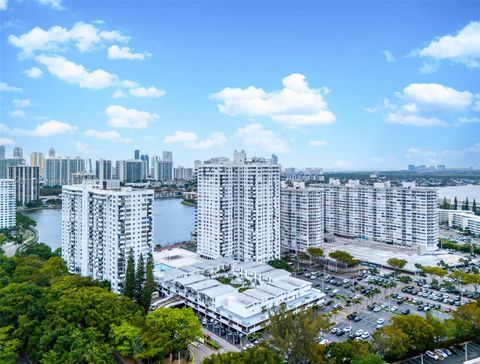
340 85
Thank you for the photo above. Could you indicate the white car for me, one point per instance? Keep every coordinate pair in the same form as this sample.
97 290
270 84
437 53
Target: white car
378 327
432 355
441 354
335 291
359 332
394 308
313 277
365 335
380 321
347 329
376 309
324 342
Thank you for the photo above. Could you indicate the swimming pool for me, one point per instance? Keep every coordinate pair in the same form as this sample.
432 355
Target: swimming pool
162 267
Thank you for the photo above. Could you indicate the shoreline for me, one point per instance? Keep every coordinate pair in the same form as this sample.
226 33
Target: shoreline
39 208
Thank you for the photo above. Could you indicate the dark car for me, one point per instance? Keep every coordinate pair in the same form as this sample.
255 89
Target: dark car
340 333
405 311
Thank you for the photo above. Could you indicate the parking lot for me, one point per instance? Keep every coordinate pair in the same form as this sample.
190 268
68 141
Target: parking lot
458 357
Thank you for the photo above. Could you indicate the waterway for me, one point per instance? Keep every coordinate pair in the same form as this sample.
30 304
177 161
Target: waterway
174 223
461 192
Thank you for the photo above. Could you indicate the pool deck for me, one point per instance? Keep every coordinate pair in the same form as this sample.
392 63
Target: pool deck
175 258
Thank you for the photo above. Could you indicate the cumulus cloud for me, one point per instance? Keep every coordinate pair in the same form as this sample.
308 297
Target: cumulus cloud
3 5
19 114
4 87
49 128
192 141
462 47
389 56
118 94
112 135
116 52
426 104
147 92
6 141
33 72
23 103
295 104
121 117
74 73
317 143
85 37
255 135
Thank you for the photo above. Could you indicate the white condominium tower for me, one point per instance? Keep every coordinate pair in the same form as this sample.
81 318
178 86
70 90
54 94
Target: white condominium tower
101 222
37 159
7 203
301 217
59 170
238 209
405 216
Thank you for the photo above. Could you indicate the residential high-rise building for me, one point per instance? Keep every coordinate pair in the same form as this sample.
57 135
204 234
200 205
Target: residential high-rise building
136 154
238 209
37 159
51 153
9 162
101 224
146 159
26 183
132 170
163 171
59 170
274 159
18 153
301 216
404 216
103 169
7 203
79 177
167 156
2 152
182 173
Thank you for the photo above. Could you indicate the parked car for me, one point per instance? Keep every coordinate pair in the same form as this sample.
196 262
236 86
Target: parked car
432 355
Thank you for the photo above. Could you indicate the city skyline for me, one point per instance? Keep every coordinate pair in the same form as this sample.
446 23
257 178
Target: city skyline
283 85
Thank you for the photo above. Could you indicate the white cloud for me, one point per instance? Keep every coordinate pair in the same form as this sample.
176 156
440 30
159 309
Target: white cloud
426 104
49 128
118 94
121 117
3 5
33 72
7 88
475 148
77 74
147 92
255 135
6 141
192 141
462 47
116 52
103 135
317 143
295 104
389 56
128 84
56 4
23 103
85 37
20 114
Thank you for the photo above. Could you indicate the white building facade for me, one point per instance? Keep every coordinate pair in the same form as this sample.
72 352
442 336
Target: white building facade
26 183
59 170
101 222
7 203
301 217
238 209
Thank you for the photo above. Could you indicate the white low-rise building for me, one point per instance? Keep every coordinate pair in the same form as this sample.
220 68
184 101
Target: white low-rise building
460 219
245 312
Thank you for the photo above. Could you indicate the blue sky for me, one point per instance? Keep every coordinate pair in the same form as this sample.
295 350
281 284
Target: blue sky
339 85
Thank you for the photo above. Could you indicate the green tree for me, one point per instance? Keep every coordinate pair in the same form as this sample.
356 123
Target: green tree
126 338
435 271
474 207
455 203
168 331
391 342
419 331
39 250
467 205
344 257
295 335
8 346
467 320
139 280
129 285
149 287
445 204
256 355
368 359
315 252
346 351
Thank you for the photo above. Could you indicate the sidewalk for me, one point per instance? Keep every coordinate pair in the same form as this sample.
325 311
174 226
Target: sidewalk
225 345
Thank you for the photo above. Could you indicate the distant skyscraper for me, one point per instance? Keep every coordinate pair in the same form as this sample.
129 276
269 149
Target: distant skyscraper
146 159
51 153
59 171
18 153
131 170
167 156
238 209
8 162
103 169
136 154
26 183
101 224
2 152
7 203
274 159
37 159
163 171
182 173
